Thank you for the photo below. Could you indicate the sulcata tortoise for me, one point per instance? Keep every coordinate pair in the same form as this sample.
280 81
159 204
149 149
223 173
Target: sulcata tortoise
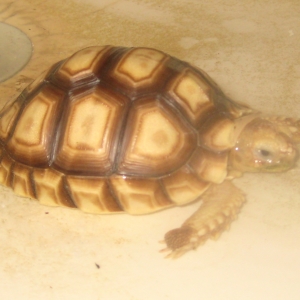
114 129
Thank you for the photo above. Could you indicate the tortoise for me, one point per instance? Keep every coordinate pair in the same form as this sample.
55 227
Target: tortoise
116 129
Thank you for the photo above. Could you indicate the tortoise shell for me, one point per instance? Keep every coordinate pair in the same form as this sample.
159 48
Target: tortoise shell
113 129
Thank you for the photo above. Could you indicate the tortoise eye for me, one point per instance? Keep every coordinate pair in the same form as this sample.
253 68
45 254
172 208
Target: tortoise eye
264 155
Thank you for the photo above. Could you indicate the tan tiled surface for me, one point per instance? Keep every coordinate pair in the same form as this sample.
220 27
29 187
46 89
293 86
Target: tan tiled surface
251 48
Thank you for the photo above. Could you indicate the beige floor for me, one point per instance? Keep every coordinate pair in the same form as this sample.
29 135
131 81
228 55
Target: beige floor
251 48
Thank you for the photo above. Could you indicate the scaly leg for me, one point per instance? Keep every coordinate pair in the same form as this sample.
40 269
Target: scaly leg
221 204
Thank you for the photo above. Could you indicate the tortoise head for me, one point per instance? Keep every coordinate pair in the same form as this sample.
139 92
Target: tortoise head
266 145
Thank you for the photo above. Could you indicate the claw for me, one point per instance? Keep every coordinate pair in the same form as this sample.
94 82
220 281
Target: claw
164 250
208 222
181 240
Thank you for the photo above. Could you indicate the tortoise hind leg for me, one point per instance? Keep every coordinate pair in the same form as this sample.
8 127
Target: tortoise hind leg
221 204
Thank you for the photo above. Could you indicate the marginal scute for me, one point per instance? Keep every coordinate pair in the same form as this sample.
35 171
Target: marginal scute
5 169
21 181
50 188
183 186
192 93
81 66
92 195
209 166
91 133
155 141
139 196
217 133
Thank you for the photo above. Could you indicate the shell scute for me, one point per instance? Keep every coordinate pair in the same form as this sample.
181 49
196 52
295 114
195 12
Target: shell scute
192 93
89 137
92 195
21 181
32 139
138 71
50 188
139 65
183 186
139 195
208 165
81 67
156 140
5 170
216 132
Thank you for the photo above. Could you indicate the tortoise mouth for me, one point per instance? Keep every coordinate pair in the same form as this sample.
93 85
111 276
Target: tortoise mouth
236 163
274 168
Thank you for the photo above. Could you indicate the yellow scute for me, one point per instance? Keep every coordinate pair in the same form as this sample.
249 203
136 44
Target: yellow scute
30 126
89 125
141 63
193 92
155 135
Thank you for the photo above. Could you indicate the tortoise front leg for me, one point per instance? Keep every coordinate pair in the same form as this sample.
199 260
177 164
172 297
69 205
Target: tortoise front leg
221 204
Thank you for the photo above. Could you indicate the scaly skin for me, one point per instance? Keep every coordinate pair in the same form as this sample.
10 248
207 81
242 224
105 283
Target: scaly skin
221 204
